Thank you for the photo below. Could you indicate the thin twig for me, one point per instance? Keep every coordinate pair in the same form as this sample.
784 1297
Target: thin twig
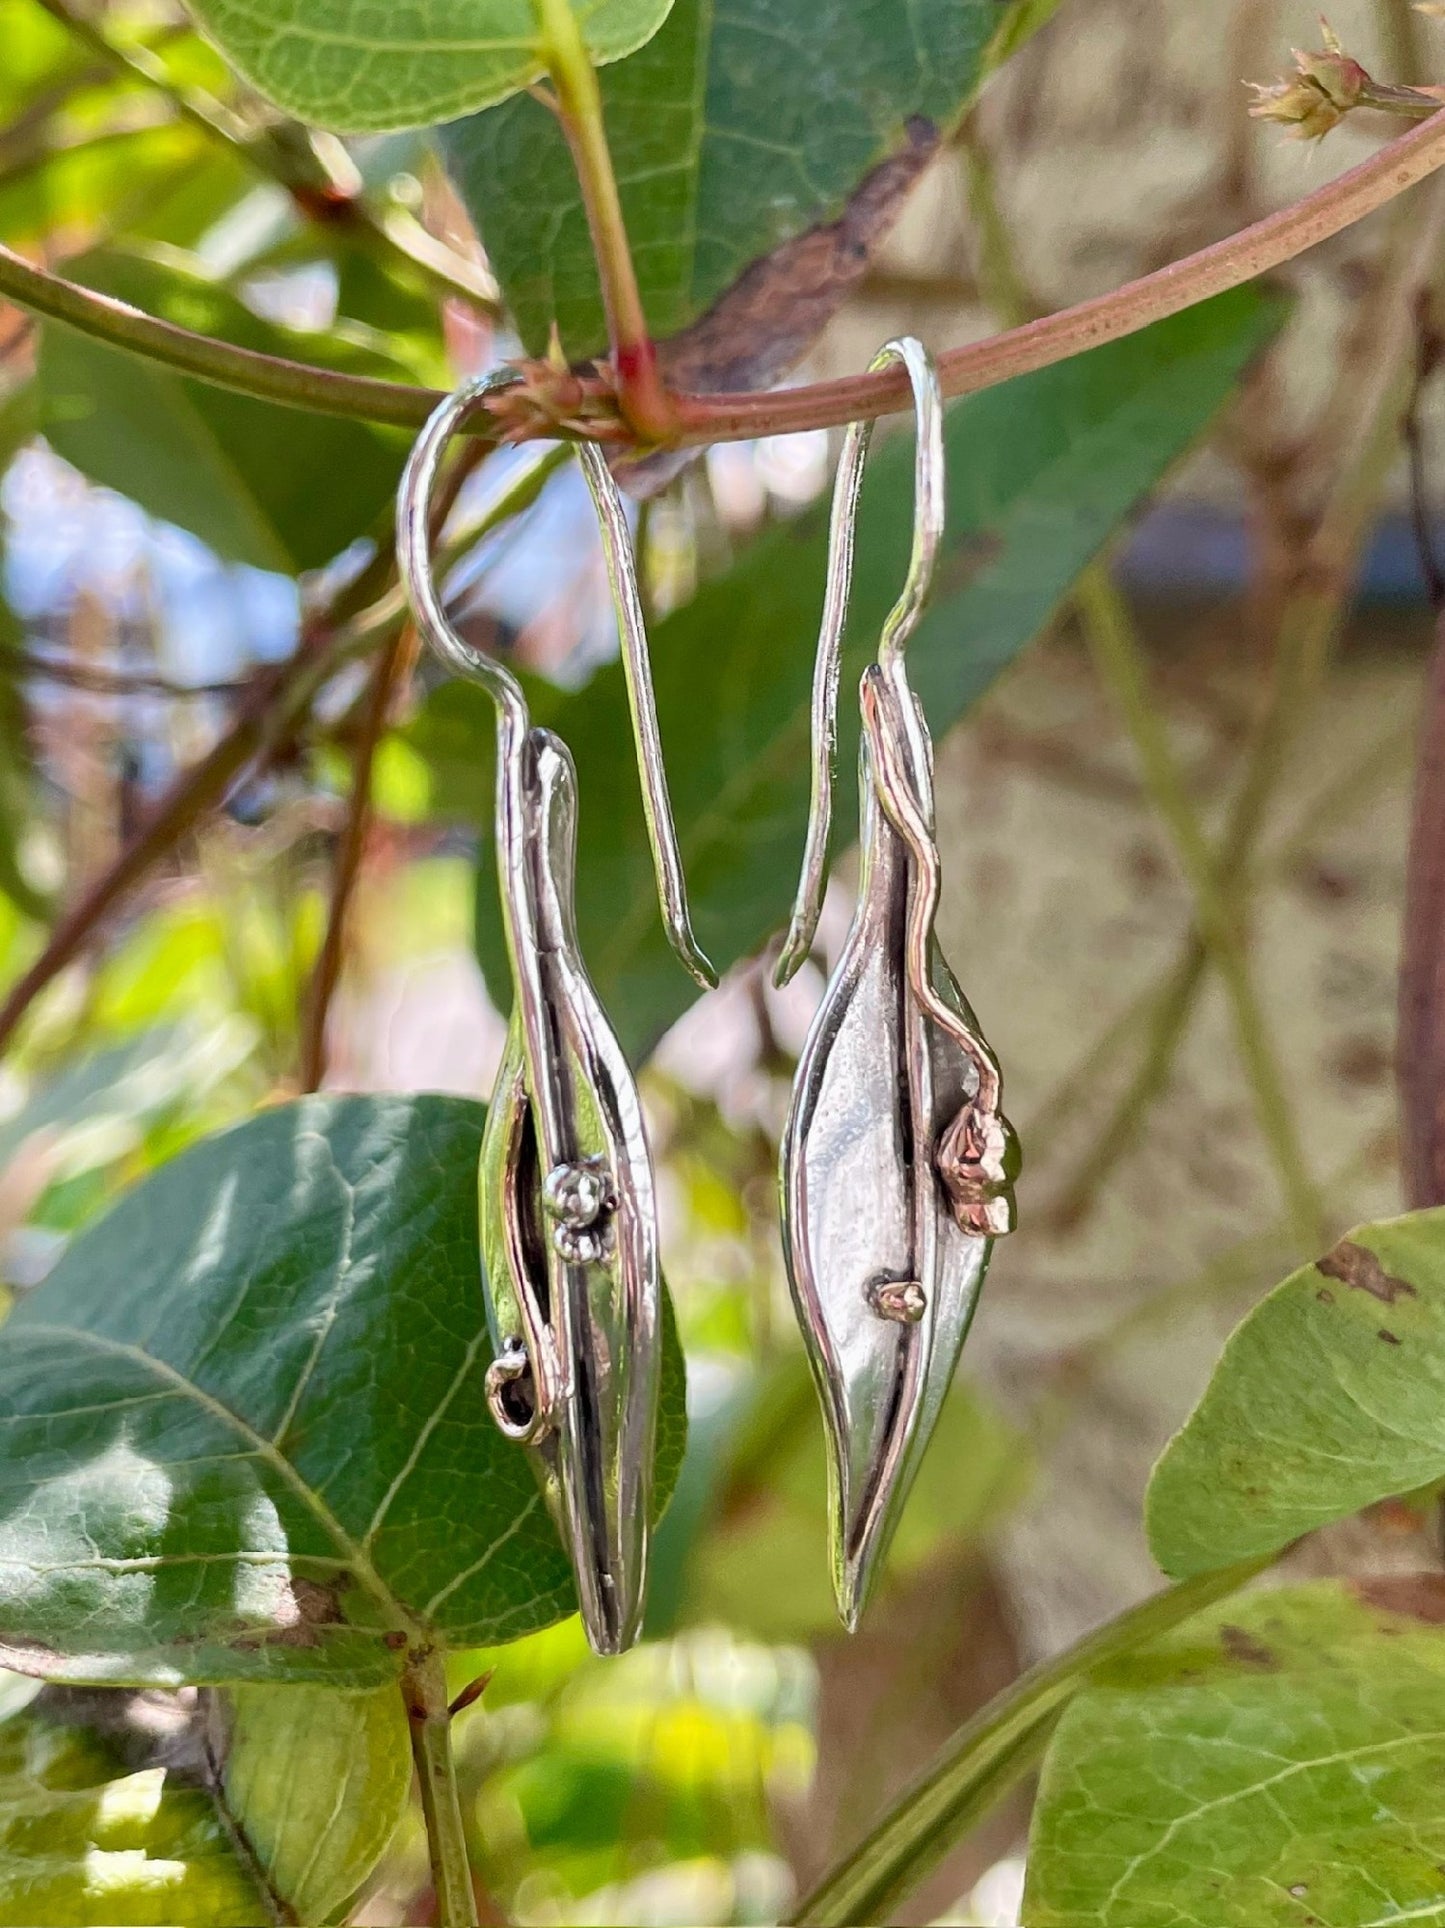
350 852
365 610
195 791
1427 360
1366 441
703 419
100 680
1118 659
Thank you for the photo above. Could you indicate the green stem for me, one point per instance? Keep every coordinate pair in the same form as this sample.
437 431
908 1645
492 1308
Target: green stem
644 402
1168 1015
1118 659
988 1756
424 1690
270 378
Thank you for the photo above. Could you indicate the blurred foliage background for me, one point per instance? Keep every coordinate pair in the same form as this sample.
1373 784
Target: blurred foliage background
165 545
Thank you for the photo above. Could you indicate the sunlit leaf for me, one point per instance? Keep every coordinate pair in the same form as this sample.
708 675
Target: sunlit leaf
1327 1397
354 67
244 1435
98 1105
84 1842
317 1780
1275 1762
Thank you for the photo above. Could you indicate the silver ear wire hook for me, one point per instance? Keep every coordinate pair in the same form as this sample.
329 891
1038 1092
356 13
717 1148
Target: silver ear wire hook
900 623
632 635
567 1198
897 1164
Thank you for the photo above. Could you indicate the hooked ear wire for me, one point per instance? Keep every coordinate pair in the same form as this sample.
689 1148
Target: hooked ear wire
928 518
621 560
413 551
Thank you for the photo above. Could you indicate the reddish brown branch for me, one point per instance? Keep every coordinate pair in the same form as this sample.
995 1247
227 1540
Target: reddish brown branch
1420 1059
349 856
549 403
273 702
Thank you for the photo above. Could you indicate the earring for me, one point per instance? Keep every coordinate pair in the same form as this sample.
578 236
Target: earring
897 1164
567 1200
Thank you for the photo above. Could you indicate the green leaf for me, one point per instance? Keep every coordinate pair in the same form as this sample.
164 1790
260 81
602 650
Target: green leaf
317 1781
242 1425
988 1755
359 68
1041 473
1326 1398
732 134
85 1843
259 484
1277 1762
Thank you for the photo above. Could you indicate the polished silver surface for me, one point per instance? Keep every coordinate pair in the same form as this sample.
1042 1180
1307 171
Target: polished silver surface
929 508
567 1198
897 1164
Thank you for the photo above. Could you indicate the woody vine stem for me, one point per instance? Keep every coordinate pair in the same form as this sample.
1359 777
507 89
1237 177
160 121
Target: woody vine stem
552 402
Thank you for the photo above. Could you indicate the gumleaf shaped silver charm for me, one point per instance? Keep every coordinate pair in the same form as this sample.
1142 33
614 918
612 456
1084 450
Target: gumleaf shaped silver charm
568 1208
897 1163
569 1234
895 1177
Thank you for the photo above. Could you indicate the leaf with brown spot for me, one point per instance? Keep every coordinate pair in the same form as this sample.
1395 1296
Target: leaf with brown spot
761 155
1415 1596
1314 1409
1354 1266
1188 1784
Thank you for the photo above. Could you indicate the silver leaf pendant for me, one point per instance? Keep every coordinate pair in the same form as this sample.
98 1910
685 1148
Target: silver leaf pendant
897 1166
569 1222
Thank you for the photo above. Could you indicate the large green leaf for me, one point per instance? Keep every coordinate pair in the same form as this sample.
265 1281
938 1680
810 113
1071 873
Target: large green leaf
1329 1396
356 67
1041 473
732 133
259 484
317 1782
86 1843
244 1433
1277 1762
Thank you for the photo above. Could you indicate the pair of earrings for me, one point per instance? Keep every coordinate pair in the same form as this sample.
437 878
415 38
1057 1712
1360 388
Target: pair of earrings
897 1163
